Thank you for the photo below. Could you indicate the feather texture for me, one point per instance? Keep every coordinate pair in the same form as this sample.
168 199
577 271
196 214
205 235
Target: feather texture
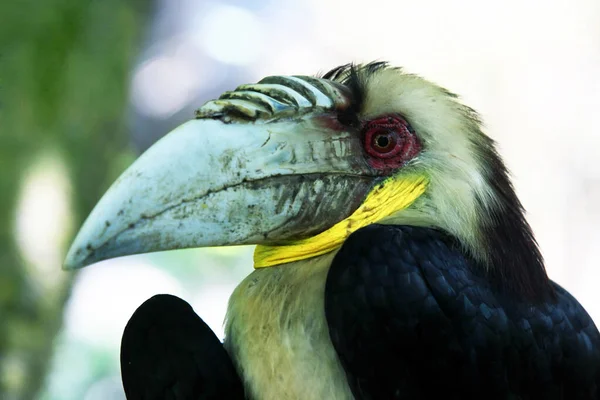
411 317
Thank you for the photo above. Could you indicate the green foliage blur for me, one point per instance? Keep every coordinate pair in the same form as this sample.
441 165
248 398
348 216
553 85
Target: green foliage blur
64 68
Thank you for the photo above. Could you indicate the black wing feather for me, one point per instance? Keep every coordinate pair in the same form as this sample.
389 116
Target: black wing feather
168 352
411 317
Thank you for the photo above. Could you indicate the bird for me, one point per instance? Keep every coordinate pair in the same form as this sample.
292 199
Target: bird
393 257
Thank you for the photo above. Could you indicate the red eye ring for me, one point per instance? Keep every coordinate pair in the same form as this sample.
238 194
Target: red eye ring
390 142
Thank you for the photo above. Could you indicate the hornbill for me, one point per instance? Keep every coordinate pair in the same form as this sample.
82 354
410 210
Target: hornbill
393 257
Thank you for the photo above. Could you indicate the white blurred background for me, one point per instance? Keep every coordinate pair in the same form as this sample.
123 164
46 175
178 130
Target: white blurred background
529 67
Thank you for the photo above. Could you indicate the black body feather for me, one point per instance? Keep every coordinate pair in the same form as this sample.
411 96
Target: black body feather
412 317
168 352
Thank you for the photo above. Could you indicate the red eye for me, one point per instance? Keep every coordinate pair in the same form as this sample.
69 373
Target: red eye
383 142
390 141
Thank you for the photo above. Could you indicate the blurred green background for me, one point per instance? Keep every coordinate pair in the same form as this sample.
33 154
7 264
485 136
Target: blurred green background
65 136
86 86
64 68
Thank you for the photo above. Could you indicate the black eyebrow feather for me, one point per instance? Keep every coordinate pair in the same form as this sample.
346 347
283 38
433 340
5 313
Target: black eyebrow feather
355 78
335 73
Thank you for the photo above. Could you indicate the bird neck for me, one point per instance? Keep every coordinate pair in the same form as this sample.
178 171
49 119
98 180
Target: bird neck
277 333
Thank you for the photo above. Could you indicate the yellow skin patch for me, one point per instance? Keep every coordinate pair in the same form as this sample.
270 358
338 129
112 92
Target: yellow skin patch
392 195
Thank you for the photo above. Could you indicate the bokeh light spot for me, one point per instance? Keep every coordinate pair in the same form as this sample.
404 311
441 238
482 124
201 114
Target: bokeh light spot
231 35
107 294
164 85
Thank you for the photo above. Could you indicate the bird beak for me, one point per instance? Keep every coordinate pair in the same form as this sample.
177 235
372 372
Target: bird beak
222 180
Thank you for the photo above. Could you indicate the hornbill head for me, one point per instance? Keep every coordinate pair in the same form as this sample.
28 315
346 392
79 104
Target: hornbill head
296 164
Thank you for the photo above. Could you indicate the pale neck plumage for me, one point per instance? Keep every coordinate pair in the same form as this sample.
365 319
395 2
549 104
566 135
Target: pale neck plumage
277 334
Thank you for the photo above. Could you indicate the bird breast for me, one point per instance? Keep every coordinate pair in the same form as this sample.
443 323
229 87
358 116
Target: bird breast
277 334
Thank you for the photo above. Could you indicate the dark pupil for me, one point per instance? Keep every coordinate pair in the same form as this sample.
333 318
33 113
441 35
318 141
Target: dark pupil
382 141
